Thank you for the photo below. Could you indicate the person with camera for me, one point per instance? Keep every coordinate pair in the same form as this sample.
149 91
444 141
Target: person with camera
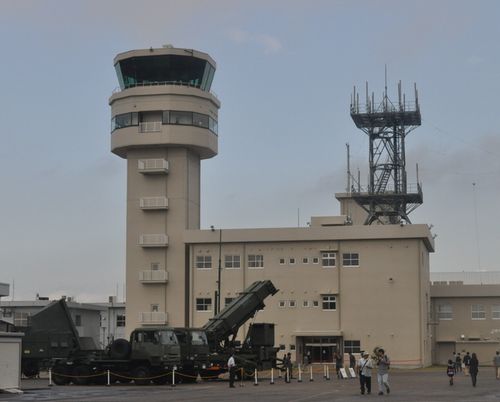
383 365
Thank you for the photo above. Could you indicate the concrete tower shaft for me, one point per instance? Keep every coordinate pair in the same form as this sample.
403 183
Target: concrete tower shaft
164 121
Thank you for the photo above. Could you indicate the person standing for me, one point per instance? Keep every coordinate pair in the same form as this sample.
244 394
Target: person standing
289 366
474 368
231 365
496 364
467 363
338 363
352 361
365 373
450 371
308 357
383 366
359 370
458 363
454 359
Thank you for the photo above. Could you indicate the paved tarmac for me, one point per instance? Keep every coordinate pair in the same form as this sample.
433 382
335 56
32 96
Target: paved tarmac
406 386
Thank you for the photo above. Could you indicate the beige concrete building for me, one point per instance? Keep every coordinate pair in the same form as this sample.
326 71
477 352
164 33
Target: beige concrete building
465 317
347 287
342 285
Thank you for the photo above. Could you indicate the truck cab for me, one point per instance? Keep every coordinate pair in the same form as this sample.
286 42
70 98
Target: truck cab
158 346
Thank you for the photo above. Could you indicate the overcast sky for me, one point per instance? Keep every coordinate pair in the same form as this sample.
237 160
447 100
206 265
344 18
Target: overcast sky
285 72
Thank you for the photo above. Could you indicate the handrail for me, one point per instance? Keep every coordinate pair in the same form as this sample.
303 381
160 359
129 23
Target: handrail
161 83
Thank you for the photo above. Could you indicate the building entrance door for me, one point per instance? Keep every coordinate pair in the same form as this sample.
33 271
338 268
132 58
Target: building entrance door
321 349
321 354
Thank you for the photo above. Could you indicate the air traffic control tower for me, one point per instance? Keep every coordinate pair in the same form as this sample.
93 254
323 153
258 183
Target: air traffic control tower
164 122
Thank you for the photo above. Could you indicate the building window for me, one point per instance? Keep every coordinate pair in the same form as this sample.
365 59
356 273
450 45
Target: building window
352 346
282 347
155 308
329 302
495 312
167 117
212 125
203 261
21 319
328 259
155 266
305 303
292 347
78 320
292 303
255 261
204 304
125 120
292 261
315 303
183 118
232 261
305 260
228 300
120 320
200 120
445 312
281 303
350 260
282 261
315 260
478 312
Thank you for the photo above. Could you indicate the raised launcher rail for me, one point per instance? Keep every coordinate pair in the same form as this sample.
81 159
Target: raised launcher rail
229 320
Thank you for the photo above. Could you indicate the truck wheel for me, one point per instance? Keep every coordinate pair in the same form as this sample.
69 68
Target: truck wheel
120 349
59 375
30 368
141 375
81 375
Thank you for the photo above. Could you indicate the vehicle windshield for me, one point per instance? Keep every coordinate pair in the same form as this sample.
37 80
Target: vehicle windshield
167 338
198 338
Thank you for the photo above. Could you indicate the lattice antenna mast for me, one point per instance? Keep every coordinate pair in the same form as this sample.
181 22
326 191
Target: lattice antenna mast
388 198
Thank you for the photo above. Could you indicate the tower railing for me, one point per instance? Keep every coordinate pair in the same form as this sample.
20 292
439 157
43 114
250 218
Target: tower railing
411 188
150 126
162 83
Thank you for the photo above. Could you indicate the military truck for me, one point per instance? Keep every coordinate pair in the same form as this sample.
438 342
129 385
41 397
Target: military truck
152 353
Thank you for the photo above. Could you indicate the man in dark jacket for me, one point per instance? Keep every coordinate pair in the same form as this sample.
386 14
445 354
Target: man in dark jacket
474 368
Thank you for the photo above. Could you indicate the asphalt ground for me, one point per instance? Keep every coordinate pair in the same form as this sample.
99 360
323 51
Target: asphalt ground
406 386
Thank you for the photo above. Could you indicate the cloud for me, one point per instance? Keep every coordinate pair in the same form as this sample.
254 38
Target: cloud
270 44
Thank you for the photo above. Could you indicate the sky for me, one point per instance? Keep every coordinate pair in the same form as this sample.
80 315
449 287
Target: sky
285 74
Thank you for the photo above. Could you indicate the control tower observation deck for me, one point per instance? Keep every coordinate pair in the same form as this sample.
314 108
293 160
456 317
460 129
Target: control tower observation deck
164 122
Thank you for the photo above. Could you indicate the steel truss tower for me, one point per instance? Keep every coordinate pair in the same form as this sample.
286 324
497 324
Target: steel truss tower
388 198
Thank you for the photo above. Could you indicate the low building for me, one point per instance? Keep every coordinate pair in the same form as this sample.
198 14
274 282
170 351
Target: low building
113 321
86 316
465 315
